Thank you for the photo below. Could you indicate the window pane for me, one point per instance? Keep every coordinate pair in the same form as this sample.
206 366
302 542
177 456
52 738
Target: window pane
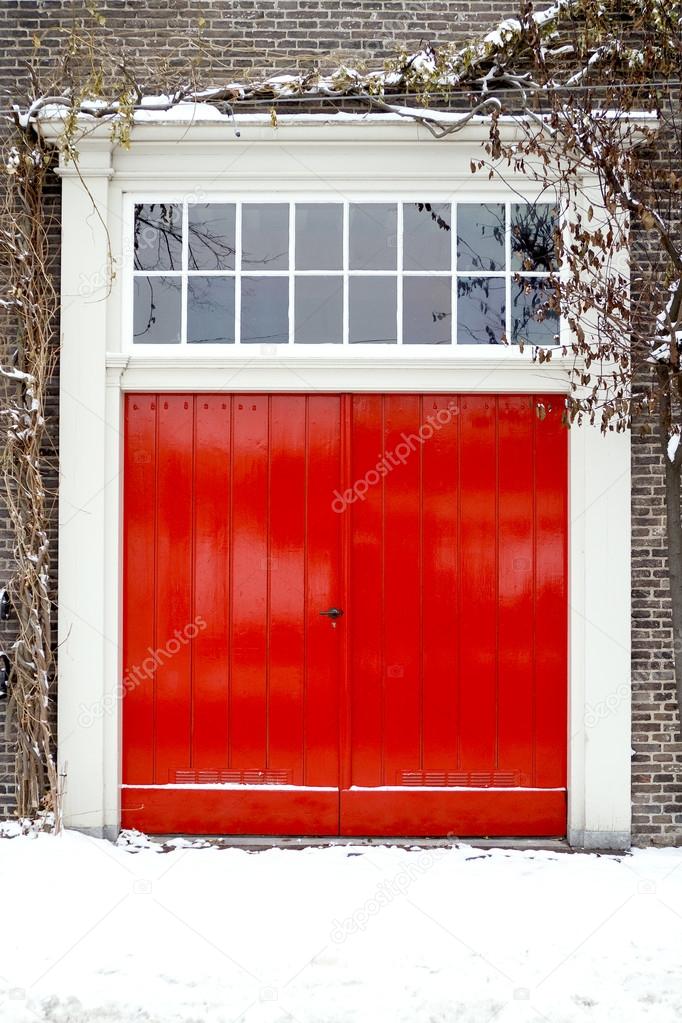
426 236
532 322
480 310
210 236
158 236
265 236
372 310
265 310
210 309
319 236
319 310
373 233
426 310
156 310
532 237
480 236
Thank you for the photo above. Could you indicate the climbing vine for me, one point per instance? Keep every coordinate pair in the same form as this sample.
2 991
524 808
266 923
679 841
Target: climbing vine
29 311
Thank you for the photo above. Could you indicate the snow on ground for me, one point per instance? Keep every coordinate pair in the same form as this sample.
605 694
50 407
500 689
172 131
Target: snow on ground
98 933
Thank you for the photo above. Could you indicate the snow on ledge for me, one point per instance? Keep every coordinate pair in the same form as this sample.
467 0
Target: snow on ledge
155 111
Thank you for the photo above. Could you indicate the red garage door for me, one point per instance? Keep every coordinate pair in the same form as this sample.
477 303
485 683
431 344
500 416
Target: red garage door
435 703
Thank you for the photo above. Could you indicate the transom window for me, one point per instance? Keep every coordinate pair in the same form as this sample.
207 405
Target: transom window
359 273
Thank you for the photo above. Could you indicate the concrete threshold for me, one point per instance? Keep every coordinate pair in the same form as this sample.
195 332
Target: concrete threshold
261 843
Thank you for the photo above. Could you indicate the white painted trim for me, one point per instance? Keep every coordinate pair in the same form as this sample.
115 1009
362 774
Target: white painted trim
95 372
144 373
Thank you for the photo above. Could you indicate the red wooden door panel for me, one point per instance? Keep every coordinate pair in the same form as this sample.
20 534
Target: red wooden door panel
139 589
174 572
444 683
457 627
477 583
231 551
550 605
212 602
440 603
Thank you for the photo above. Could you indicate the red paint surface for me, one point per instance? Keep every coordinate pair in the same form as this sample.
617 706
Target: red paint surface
447 671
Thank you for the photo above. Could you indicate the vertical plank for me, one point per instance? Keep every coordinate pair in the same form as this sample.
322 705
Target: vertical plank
249 583
516 482
478 584
323 590
439 584
139 517
210 661
174 575
551 614
345 694
287 583
366 594
402 588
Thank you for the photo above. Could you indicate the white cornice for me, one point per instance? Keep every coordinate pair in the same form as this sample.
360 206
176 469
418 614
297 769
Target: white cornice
297 128
294 127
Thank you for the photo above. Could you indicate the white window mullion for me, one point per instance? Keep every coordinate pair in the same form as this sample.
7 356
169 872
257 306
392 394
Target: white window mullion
292 254
453 270
346 279
399 273
238 274
508 276
184 295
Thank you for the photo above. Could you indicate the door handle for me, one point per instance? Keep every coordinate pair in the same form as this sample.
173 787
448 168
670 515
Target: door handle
333 613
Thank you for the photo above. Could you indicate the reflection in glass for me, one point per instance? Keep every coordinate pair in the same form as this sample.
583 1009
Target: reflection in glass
319 236
532 236
372 310
157 236
210 310
318 310
210 236
265 310
156 310
265 236
532 321
480 310
426 310
373 232
426 236
480 236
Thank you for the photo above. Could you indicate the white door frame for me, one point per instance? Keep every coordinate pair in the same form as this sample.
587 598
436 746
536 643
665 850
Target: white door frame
346 157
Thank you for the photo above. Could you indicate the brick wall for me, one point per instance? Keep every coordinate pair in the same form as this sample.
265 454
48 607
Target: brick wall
293 34
657 749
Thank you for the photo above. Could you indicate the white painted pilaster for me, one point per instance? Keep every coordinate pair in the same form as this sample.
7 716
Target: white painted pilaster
599 694
85 645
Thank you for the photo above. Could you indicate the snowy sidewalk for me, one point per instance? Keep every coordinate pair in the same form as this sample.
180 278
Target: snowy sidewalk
95 933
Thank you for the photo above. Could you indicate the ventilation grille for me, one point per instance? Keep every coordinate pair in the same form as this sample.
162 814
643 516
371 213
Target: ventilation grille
477 779
230 777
